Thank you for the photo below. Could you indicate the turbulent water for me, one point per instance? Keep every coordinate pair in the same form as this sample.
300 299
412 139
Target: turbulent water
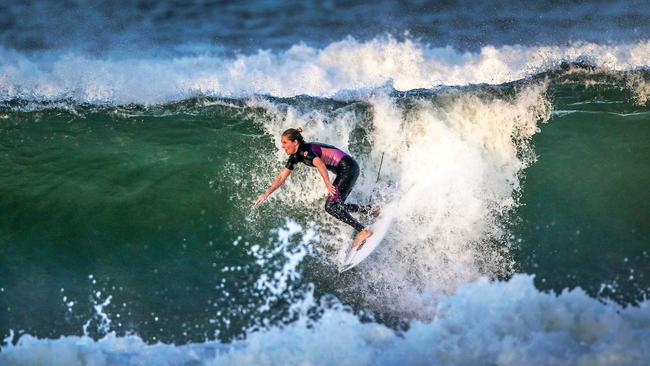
133 146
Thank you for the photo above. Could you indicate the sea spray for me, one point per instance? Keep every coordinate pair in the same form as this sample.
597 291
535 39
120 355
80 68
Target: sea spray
452 164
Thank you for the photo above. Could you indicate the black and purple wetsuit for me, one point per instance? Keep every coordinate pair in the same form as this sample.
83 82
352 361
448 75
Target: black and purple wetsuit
347 172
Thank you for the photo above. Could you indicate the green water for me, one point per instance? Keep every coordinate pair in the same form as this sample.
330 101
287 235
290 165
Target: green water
146 204
586 217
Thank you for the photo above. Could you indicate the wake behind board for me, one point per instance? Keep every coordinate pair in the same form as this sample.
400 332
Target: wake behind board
380 229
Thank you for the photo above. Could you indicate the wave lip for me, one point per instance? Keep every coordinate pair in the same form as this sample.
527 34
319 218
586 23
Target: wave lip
339 69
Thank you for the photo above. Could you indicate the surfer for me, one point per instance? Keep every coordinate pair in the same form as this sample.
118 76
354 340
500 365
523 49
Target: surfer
325 157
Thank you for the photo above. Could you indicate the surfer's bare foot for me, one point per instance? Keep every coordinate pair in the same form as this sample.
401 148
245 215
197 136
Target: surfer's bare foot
361 236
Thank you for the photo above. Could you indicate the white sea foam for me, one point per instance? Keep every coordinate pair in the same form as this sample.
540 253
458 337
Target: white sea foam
484 323
341 68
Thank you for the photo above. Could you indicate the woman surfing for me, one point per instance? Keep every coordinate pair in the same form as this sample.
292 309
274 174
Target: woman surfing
325 157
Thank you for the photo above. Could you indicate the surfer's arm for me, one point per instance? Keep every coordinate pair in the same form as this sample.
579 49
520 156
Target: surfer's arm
318 163
277 182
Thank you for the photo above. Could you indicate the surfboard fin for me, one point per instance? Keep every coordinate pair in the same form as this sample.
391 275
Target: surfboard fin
345 268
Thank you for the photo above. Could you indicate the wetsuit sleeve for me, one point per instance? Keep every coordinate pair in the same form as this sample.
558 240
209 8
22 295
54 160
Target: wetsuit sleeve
291 163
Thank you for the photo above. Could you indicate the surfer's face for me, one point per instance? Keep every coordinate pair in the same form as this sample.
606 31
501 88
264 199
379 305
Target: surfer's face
290 147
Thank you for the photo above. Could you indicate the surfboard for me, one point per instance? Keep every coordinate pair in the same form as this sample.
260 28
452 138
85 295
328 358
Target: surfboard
352 257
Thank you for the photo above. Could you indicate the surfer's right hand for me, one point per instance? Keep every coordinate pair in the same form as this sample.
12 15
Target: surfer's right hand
261 199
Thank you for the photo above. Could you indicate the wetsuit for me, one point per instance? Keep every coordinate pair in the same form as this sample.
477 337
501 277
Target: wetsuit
347 172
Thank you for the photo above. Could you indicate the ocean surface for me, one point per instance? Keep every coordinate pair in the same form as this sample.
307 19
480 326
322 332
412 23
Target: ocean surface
134 139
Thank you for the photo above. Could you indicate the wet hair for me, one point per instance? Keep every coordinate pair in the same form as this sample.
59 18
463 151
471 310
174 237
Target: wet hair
293 134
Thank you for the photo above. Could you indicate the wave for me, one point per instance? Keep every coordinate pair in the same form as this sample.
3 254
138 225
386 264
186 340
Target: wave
341 69
453 157
461 150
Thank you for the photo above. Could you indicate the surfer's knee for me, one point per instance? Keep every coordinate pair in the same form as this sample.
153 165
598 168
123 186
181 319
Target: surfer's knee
336 209
331 207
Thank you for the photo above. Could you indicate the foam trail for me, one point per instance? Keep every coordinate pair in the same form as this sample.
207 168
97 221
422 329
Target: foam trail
343 68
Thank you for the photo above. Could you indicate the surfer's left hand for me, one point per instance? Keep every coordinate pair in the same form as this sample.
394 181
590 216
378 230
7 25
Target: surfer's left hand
331 189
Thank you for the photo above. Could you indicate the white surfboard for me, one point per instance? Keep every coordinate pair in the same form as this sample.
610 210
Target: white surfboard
352 257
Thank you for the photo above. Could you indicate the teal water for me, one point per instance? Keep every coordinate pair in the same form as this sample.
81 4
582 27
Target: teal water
585 215
147 210
144 203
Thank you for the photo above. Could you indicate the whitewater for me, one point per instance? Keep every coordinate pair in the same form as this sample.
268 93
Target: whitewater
342 69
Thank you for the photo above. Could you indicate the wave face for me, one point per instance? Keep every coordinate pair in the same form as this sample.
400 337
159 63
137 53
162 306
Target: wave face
144 231
133 146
